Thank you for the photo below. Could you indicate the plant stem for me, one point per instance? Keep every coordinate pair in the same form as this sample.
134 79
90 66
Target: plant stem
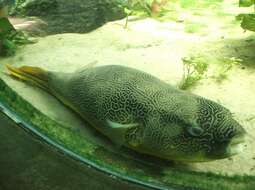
126 23
254 5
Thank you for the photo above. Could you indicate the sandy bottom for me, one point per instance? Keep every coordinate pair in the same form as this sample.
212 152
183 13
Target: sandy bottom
157 48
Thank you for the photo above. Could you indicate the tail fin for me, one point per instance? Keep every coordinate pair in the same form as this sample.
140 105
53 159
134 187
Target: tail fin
33 75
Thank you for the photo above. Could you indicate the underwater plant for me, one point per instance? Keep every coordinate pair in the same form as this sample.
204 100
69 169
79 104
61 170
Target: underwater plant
135 7
10 38
142 8
247 20
227 64
7 47
194 68
16 9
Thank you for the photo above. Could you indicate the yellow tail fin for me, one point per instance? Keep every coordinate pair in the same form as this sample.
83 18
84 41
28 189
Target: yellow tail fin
33 75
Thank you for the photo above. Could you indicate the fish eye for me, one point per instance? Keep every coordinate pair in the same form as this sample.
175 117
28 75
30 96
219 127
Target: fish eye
195 131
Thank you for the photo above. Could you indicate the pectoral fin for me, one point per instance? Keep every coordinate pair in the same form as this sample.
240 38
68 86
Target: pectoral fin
117 132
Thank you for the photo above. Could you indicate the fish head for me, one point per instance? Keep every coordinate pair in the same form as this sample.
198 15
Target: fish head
211 134
222 134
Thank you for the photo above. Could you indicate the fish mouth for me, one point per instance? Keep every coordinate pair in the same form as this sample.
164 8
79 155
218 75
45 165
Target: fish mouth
236 145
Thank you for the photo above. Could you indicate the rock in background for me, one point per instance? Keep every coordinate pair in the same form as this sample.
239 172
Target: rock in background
65 16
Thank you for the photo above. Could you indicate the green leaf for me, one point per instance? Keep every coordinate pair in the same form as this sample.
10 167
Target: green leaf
127 11
5 26
248 22
246 3
9 48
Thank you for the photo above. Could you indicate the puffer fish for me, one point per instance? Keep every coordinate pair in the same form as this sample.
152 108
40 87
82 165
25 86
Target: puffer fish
139 111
